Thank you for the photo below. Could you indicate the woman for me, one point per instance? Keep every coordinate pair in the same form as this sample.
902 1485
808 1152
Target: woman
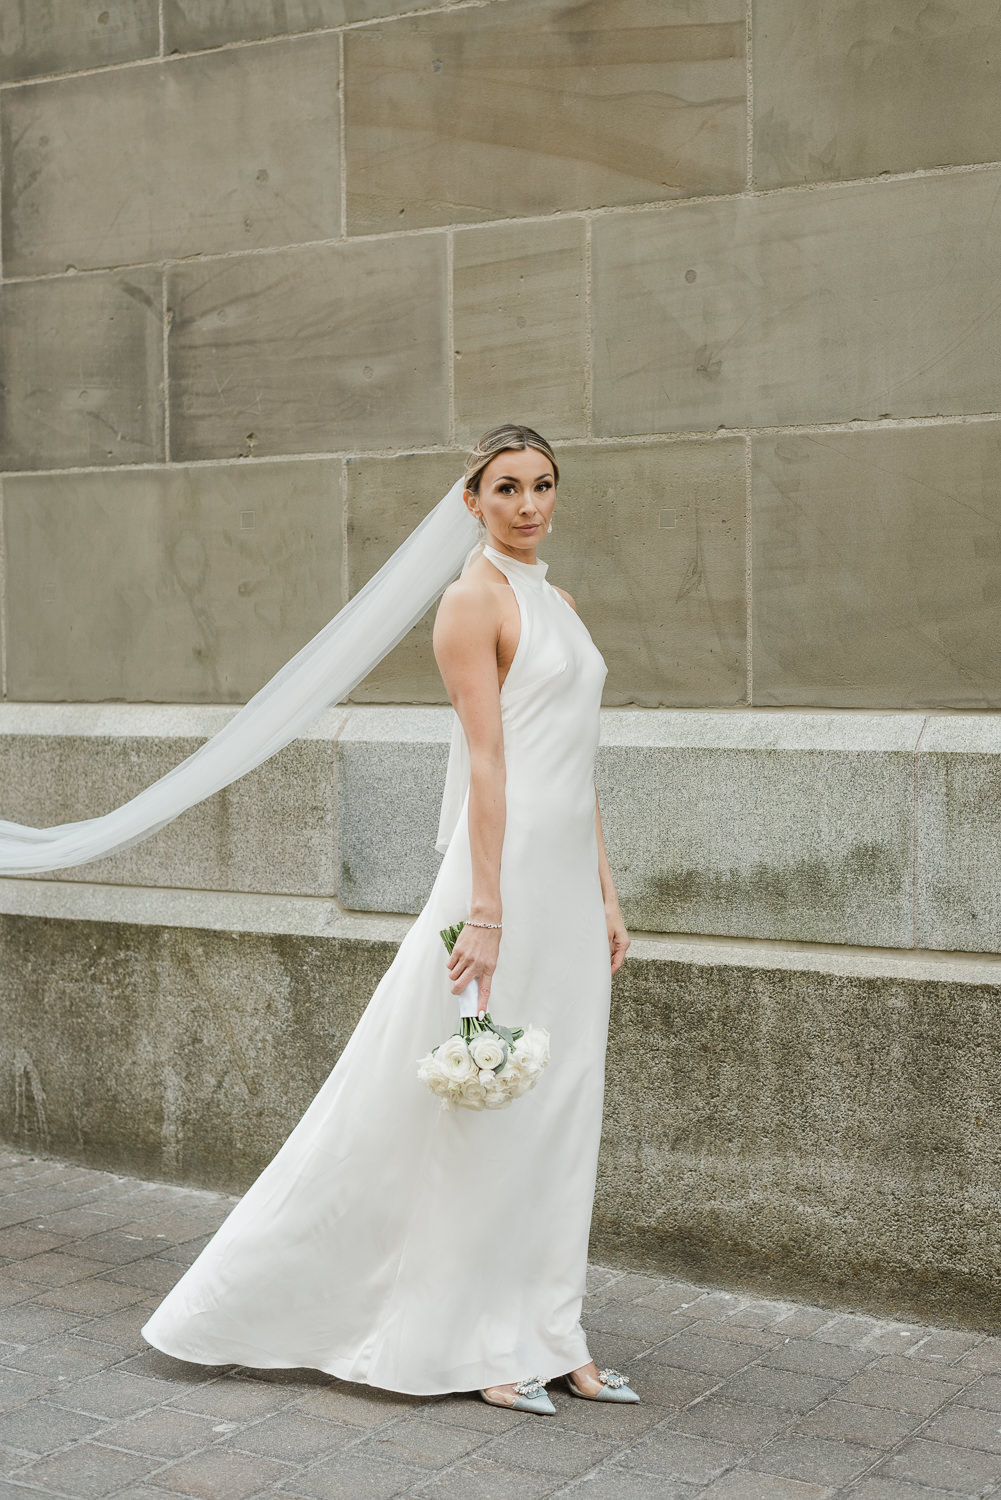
390 1242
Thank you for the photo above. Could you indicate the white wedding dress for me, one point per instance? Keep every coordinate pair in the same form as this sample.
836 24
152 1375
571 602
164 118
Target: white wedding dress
392 1242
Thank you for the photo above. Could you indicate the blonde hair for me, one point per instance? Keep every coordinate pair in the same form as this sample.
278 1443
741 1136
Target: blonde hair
502 440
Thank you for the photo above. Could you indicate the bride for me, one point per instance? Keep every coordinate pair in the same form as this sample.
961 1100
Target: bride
391 1242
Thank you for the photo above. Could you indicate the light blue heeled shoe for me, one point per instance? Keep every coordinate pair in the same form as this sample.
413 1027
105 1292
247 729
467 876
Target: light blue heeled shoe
530 1396
613 1388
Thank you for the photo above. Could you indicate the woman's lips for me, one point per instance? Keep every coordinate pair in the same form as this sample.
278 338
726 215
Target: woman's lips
533 527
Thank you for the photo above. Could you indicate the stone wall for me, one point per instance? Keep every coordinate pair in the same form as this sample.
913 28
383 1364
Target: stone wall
267 269
741 264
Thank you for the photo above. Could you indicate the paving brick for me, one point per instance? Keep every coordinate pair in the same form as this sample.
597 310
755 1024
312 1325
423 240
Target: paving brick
231 1399
678 1455
668 1385
897 1489
28 1323
13 1291
88 1471
534 1445
910 1366
602 1419
354 1476
784 1388
804 1321
162 1433
690 1351
362 1406
114 1394
643 1324
115 1248
815 1460
898 1392
18 1243
40 1427
67 1359
814 1358
294 1437
951 1468
871 1426
731 1421
672 1296
986 1358
984 1393
946 1345
966 1428
848 1330
94 1296
745 1485
221 1474
611 1482
16 1387
480 1479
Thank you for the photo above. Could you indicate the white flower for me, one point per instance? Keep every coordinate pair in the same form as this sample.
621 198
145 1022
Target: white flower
487 1050
455 1061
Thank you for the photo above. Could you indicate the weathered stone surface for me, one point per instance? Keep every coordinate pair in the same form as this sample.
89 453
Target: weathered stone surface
181 584
385 849
649 540
307 351
273 830
519 319
870 300
757 824
849 90
176 1052
537 105
814 1122
792 1120
384 500
82 371
191 24
877 567
959 833
795 825
52 36
174 159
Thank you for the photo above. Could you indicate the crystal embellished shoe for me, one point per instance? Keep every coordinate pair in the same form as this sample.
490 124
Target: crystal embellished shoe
530 1396
614 1387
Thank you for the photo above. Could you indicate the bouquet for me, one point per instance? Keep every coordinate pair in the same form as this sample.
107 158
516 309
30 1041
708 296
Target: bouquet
483 1065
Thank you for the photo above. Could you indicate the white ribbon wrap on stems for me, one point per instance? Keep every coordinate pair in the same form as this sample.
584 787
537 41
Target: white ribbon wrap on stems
323 672
469 999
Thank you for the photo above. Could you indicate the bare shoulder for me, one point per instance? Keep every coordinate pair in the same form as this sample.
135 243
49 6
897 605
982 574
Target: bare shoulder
469 602
568 597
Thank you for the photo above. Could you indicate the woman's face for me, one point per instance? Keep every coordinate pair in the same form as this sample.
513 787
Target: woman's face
516 499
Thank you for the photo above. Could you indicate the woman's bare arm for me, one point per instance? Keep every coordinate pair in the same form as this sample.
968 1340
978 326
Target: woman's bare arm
466 634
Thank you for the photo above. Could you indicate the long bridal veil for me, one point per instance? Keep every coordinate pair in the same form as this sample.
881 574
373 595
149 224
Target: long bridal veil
326 669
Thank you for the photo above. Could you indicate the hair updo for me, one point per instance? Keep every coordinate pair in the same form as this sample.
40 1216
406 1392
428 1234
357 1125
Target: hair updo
501 440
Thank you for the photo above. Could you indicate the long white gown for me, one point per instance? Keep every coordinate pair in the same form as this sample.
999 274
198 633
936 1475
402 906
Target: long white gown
392 1242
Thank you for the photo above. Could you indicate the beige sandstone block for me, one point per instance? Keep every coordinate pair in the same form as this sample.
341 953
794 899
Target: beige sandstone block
649 540
520 336
82 371
306 351
877 568
191 24
385 498
851 90
55 36
502 110
862 301
180 585
175 159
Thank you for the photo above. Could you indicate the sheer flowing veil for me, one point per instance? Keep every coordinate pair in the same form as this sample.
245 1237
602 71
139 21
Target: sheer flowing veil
326 669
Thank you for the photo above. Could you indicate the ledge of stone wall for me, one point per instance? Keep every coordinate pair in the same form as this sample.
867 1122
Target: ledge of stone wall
825 826
804 1120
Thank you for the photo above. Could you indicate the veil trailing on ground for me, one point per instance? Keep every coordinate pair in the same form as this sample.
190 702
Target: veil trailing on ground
326 669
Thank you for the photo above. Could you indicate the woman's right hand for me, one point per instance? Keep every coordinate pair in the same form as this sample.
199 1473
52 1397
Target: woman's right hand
475 957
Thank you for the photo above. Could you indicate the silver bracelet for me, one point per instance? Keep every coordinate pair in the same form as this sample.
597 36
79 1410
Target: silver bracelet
484 924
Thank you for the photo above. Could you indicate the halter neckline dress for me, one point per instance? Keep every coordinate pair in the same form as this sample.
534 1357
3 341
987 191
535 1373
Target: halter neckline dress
391 1242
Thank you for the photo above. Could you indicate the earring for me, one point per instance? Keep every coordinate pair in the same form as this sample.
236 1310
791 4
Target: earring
550 526
481 530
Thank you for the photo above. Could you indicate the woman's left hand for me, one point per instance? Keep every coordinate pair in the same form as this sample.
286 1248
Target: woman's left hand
618 937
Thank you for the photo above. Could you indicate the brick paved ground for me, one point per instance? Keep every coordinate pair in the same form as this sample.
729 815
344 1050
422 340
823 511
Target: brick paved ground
743 1399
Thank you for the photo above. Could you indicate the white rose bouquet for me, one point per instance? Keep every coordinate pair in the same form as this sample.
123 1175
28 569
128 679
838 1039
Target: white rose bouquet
483 1065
